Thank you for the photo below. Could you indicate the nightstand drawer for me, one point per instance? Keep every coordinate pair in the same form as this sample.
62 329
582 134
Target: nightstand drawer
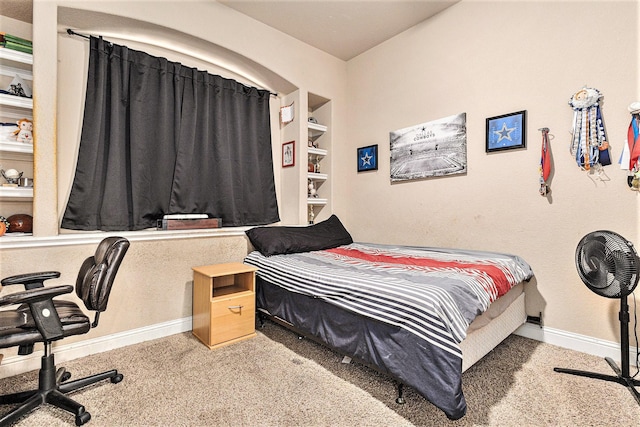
232 318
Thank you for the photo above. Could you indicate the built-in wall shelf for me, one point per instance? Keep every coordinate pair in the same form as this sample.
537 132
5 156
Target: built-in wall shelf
16 101
318 156
316 201
317 176
17 56
317 151
16 193
16 147
316 127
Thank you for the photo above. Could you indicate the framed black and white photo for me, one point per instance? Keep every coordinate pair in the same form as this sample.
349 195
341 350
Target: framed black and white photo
288 154
435 148
368 158
506 132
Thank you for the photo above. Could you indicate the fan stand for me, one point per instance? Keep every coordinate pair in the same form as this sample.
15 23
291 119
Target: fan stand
622 376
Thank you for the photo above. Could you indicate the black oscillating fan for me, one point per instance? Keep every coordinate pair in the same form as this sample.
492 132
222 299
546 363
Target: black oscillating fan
609 265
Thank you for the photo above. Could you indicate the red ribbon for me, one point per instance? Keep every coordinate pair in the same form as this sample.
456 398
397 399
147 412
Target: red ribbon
545 159
632 140
545 162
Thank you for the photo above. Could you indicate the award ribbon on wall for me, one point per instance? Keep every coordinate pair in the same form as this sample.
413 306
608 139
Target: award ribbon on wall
589 145
545 162
630 156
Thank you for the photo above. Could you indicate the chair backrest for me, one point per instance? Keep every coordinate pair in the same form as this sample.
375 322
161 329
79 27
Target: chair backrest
97 273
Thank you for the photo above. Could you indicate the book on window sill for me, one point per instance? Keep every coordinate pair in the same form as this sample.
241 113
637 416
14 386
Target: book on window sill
189 224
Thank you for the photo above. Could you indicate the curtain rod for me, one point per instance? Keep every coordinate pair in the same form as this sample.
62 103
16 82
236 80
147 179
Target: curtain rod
74 33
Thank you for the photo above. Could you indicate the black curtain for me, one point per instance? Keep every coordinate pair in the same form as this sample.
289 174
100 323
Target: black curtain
160 138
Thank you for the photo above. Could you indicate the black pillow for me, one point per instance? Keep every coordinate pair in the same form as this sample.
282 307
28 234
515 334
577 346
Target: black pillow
290 240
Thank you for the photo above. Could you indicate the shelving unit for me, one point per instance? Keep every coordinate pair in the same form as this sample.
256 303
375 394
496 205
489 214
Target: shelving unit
299 204
14 63
13 154
319 167
315 179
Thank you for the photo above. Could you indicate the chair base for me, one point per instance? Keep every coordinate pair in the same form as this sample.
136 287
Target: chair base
52 389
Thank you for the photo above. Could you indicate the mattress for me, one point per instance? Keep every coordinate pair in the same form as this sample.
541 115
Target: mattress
503 317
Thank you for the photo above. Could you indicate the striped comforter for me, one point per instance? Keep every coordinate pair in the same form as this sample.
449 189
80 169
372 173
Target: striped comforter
433 293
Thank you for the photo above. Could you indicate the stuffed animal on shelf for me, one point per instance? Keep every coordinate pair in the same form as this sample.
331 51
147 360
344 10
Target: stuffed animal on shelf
24 133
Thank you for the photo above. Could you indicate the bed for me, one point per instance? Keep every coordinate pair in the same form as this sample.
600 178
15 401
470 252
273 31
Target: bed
422 315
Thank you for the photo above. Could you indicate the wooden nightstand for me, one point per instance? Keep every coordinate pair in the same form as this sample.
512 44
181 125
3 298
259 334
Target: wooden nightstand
224 303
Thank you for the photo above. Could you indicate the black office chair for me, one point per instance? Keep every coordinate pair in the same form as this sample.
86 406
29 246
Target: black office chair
40 318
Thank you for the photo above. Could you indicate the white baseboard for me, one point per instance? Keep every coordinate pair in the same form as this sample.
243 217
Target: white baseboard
19 364
577 342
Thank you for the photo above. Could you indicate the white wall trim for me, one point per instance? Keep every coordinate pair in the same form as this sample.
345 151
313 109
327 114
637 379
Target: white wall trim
577 342
19 364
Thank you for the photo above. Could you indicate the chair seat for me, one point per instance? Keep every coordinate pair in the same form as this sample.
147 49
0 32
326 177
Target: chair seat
11 319
18 326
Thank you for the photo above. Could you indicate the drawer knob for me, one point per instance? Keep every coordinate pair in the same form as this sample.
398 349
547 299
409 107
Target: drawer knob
235 307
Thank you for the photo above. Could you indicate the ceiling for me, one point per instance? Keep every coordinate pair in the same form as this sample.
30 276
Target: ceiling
342 28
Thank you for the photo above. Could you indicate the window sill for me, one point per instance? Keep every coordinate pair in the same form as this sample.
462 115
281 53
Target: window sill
70 238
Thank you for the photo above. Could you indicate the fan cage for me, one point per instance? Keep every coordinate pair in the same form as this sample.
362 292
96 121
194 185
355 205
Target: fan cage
608 264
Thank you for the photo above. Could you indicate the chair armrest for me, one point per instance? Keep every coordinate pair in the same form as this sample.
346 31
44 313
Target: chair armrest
35 295
30 280
40 301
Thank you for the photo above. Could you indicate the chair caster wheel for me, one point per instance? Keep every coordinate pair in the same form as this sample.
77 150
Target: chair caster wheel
62 375
400 401
116 379
83 418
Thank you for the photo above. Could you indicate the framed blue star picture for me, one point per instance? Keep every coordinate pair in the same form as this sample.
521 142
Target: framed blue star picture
506 132
368 158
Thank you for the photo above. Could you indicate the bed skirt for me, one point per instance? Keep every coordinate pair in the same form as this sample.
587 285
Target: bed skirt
389 349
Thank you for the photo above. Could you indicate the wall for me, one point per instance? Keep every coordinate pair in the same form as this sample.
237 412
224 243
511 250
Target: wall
487 59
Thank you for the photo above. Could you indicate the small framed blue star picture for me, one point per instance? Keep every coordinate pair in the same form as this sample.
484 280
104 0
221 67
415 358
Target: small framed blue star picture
506 132
368 158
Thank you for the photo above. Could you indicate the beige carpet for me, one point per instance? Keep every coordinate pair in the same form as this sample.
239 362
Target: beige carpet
276 379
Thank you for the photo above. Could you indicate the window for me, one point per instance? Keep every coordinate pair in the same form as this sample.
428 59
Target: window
159 138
